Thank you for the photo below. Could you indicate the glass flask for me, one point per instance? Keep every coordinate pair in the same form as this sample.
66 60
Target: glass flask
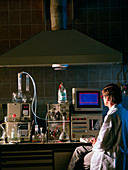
64 136
2 134
36 136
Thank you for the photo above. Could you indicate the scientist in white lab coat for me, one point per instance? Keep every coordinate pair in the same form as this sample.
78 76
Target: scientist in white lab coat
110 150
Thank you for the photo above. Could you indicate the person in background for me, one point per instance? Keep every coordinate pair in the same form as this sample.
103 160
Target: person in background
110 149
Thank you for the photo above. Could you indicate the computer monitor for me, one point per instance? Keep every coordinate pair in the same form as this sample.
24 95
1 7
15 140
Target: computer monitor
85 99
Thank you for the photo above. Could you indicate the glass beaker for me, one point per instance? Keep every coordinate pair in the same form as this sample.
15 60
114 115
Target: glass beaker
15 135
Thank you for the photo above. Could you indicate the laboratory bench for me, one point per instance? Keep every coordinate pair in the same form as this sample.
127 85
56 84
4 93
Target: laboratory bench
37 156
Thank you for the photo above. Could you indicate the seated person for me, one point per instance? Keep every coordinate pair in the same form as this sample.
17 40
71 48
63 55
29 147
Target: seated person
110 150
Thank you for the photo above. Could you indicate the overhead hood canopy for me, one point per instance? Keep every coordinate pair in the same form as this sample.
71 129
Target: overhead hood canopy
60 47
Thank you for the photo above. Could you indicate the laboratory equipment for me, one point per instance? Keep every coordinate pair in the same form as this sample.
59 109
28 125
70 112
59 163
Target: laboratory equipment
86 113
18 123
14 136
64 135
57 122
85 125
21 110
42 135
84 99
2 134
20 95
23 129
36 135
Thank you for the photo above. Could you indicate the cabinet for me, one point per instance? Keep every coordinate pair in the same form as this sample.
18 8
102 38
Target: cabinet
36 156
18 160
61 159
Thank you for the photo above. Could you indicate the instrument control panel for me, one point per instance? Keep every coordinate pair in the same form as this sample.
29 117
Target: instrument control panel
22 112
85 125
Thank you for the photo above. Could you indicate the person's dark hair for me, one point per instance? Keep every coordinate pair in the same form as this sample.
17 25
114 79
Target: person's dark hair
114 93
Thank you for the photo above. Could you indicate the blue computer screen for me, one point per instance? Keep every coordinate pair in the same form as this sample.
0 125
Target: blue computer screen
88 99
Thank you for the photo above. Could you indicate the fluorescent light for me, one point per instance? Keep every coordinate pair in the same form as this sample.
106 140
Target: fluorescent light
59 66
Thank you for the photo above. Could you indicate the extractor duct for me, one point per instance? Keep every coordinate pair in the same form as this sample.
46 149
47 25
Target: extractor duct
58 12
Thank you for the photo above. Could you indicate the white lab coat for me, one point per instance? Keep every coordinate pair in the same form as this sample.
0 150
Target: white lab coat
113 135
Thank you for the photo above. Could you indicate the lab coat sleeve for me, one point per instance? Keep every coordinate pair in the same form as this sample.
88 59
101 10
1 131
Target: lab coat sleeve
108 133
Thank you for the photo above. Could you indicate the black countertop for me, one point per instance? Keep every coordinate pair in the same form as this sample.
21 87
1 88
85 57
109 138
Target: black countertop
38 146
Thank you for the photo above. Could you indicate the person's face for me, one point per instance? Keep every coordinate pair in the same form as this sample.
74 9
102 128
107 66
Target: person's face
105 99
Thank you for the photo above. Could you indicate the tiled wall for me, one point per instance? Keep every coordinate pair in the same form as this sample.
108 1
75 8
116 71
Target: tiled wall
104 20
47 81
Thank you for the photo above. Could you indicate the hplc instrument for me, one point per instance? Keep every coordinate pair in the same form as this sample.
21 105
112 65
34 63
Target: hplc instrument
86 117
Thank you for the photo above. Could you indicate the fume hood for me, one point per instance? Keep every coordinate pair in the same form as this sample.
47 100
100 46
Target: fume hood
60 47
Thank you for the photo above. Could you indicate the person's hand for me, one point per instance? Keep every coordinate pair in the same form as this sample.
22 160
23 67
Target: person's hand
93 140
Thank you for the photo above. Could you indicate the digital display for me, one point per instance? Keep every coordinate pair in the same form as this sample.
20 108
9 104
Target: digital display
88 98
25 110
25 106
84 99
